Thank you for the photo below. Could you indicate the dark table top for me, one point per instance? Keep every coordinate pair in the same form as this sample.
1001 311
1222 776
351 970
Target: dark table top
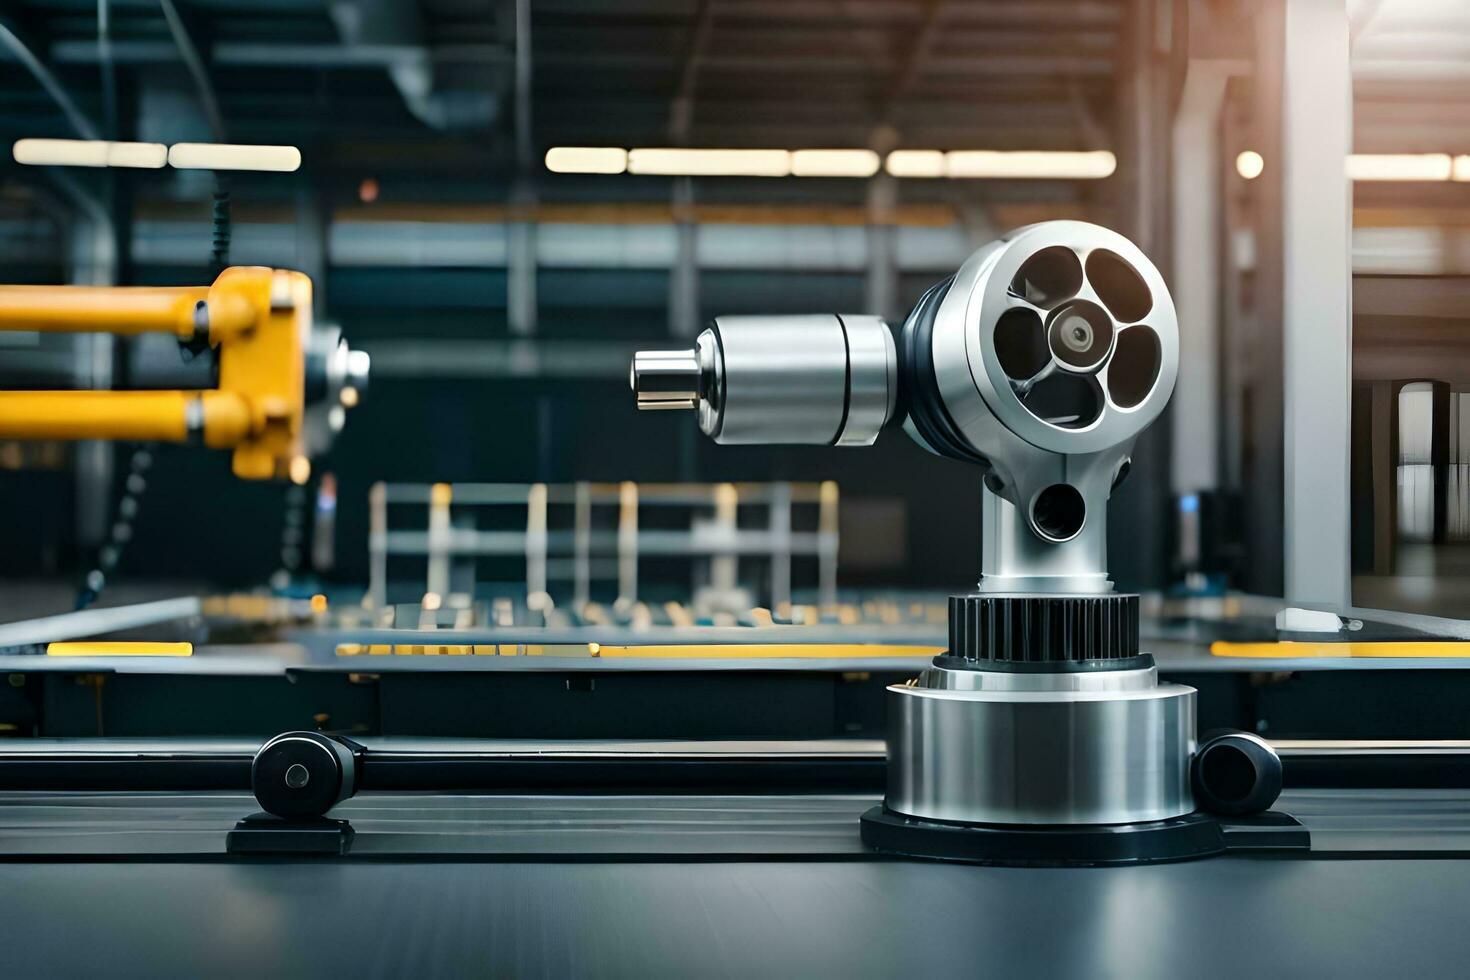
137 884
1227 917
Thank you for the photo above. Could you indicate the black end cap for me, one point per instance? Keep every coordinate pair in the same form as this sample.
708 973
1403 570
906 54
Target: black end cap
1235 773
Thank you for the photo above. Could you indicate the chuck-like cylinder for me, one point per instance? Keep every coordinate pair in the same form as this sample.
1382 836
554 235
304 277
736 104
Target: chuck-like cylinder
1043 711
806 380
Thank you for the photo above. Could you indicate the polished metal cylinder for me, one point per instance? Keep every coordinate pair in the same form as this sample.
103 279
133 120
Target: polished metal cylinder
785 379
872 368
762 380
1111 750
663 379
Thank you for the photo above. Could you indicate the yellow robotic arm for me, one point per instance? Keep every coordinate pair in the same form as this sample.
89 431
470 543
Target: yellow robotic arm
259 320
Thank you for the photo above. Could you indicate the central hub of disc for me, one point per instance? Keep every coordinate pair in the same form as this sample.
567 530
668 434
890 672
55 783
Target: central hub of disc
1080 334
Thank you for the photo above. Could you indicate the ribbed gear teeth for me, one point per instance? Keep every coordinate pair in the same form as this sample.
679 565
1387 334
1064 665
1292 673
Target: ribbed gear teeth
1042 629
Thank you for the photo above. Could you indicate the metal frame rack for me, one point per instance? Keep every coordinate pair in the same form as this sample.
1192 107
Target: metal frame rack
451 541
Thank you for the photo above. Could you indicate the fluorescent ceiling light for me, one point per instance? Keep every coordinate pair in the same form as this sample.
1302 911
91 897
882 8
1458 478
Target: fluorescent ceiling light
1250 164
89 153
1399 166
860 163
1461 170
1002 164
915 163
1030 164
834 163
234 156
587 159
677 162
146 156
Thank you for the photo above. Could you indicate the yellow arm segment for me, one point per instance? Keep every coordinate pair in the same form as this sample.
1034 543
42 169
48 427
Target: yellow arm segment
221 420
100 309
258 318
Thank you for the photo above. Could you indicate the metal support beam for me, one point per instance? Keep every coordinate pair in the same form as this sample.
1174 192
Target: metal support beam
521 306
684 319
1196 215
12 43
1259 367
312 230
881 282
1144 108
525 151
93 263
681 109
520 281
395 55
1316 128
194 63
914 61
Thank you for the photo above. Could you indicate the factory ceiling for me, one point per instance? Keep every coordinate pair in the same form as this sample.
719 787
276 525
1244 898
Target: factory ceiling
430 87
338 73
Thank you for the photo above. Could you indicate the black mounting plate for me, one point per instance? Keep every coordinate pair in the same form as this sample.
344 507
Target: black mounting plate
1194 835
264 833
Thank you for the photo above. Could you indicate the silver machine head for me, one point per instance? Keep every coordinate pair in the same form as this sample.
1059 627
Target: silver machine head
1041 359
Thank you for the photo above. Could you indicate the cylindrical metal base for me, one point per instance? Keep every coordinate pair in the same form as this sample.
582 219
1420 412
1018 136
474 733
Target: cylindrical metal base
1066 748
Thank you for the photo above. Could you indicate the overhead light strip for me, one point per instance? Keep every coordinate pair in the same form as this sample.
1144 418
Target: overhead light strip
681 162
832 162
154 156
234 156
1029 164
915 163
89 153
587 159
1400 166
1370 167
945 164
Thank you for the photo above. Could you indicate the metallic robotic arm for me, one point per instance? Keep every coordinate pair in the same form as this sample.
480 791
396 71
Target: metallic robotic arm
284 383
1041 360
1043 730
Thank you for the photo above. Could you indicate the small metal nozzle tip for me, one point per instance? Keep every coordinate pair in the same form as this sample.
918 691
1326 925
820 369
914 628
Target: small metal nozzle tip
666 379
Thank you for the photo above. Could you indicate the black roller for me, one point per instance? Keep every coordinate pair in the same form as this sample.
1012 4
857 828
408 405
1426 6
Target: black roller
1235 773
303 774
919 394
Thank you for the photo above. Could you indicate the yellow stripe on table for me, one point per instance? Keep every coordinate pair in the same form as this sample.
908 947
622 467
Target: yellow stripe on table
771 650
137 649
1289 649
693 651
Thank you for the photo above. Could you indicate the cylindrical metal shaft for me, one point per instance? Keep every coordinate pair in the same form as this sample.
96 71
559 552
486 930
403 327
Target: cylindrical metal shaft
664 379
770 380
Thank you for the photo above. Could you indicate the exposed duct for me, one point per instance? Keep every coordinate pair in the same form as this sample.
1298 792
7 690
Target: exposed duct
399 25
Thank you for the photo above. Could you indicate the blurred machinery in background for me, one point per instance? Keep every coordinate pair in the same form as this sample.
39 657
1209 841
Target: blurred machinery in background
282 385
591 534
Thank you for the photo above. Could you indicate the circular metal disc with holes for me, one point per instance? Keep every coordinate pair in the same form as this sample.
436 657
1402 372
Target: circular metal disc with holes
1105 354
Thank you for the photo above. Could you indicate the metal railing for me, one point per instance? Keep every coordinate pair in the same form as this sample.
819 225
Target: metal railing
582 553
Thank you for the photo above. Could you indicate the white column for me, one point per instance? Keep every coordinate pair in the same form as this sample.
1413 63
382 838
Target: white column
1317 307
1195 239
